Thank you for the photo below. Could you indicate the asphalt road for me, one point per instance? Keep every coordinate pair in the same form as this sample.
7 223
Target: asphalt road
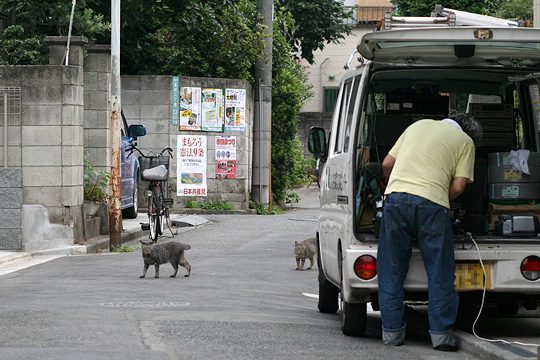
244 300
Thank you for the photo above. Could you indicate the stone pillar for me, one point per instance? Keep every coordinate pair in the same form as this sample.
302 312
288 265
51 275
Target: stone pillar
57 49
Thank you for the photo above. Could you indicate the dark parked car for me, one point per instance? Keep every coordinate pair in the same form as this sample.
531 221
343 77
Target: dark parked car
130 169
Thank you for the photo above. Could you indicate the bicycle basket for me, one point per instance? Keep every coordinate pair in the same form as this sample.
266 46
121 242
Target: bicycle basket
149 162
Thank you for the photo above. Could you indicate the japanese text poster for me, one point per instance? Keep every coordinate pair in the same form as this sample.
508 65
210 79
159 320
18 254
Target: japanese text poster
175 94
191 165
225 157
212 109
190 109
235 109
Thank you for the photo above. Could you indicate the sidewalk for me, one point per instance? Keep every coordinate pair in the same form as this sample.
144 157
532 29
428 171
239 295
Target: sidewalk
131 231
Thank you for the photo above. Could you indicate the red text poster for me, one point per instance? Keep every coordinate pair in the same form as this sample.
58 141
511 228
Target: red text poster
225 157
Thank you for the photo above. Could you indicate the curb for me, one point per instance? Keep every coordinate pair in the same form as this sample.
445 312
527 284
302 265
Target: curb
101 243
14 256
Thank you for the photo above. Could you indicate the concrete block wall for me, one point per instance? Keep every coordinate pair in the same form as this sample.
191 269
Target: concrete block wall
146 99
97 115
10 208
46 137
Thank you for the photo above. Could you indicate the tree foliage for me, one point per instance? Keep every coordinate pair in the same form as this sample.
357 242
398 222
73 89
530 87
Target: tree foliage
16 48
39 18
316 23
424 8
514 9
289 92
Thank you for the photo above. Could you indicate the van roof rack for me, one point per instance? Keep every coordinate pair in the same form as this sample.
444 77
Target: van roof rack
444 17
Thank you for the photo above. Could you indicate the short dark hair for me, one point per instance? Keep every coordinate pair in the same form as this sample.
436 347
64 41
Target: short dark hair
470 126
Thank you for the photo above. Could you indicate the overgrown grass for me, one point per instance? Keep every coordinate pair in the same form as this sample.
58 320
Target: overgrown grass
122 249
209 205
263 209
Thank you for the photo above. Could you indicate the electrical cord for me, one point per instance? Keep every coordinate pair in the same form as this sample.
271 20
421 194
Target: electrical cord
482 304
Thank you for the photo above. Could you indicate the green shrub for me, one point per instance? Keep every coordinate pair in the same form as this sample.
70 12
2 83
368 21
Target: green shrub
16 48
96 182
122 249
215 205
209 205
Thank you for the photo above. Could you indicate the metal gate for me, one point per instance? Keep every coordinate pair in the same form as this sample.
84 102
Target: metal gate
10 111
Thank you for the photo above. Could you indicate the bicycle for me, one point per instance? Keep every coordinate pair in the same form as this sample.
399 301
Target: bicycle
155 170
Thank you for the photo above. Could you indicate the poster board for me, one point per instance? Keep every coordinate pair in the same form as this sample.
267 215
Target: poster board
191 165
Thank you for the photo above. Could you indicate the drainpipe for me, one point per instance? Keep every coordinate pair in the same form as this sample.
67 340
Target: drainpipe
321 81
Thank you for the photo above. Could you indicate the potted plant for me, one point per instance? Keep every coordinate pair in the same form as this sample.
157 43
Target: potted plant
96 184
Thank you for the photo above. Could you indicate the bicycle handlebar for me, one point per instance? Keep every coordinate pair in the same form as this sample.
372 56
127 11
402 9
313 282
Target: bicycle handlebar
167 149
133 147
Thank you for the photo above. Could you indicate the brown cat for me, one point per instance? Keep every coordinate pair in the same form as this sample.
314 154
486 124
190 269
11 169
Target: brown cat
303 250
172 252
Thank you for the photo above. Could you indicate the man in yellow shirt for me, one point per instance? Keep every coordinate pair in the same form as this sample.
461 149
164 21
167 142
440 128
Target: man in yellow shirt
429 165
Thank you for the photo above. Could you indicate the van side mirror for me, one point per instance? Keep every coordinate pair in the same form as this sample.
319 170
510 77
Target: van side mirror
137 130
317 143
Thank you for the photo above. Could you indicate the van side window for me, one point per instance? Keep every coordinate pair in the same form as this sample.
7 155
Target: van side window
342 116
350 112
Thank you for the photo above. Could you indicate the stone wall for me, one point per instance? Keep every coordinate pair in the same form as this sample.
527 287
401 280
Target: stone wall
146 100
97 115
10 208
46 137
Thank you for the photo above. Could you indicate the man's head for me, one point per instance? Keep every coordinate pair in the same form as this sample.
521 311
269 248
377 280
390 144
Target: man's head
470 126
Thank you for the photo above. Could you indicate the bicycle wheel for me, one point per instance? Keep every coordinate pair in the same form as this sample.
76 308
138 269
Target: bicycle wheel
158 206
153 220
154 226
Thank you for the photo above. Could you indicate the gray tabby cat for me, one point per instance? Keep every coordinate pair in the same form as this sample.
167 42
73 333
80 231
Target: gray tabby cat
303 250
172 252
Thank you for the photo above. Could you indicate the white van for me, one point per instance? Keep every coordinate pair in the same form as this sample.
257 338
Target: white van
411 74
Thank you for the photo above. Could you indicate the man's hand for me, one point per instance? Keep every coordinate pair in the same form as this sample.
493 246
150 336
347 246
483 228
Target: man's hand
457 186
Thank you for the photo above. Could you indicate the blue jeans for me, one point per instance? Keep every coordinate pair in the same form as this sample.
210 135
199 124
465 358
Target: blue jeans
407 218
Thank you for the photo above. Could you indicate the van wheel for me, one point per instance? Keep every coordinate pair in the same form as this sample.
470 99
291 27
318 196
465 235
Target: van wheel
133 211
328 292
353 315
328 295
353 318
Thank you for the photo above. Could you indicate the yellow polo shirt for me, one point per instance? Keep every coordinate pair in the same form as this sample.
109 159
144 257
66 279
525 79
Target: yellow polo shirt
429 154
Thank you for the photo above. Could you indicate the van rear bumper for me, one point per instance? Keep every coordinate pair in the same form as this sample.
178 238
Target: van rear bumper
503 262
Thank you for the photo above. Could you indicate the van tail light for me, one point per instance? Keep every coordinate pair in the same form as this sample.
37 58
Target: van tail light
365 267
530 268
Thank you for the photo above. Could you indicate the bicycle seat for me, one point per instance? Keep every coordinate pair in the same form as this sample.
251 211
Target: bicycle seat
158 173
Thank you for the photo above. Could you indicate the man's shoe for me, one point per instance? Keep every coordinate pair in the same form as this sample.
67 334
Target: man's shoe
447 347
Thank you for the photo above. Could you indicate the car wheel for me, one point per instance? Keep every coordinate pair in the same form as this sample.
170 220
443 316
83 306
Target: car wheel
328 292
328 295
353 318
353 315
133 211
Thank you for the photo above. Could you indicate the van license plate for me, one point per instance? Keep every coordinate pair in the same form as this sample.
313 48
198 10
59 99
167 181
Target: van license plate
469 275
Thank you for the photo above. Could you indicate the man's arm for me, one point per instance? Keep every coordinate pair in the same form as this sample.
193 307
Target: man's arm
457 186
388 165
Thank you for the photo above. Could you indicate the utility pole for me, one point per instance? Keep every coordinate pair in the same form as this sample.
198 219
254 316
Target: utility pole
536 14
262 127
115 207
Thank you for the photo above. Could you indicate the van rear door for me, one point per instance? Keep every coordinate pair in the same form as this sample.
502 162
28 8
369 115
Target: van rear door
464 45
